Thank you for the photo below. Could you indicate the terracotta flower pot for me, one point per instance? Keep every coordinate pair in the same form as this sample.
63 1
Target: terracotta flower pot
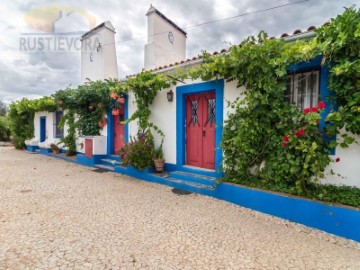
159 164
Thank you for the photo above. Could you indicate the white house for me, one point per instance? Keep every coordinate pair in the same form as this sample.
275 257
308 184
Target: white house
199 108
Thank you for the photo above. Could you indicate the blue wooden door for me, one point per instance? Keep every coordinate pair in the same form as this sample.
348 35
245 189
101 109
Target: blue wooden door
42 128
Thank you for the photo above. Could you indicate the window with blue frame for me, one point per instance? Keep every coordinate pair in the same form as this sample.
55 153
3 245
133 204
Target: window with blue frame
59 132
303 89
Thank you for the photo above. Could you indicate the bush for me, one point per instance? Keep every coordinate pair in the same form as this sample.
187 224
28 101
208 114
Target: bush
139 152
4 129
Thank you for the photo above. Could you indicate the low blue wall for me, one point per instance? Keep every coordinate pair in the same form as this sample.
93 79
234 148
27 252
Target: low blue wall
32 148
337 220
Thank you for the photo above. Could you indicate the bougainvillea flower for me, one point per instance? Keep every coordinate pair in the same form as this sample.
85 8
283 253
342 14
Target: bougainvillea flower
121 100
321 105
284 144
286 138
299 133
91 107
306 110
337 159
314 109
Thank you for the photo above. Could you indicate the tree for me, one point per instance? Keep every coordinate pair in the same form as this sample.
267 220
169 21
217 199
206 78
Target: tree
3 108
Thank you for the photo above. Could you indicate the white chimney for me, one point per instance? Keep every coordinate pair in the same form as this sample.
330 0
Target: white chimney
166 42
98 53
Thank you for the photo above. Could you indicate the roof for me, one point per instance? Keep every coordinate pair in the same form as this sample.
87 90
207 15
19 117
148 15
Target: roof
154 10
297 34
106 24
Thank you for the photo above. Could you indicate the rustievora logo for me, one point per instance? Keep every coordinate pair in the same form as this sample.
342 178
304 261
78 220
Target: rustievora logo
56 29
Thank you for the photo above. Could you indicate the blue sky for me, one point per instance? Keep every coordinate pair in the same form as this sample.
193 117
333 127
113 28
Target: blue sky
31 75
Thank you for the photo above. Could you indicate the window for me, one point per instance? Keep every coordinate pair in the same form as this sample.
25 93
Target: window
302 89
59 132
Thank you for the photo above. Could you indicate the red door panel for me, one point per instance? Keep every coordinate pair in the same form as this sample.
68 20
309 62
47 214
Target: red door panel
119 130
200 130
89 148
209 130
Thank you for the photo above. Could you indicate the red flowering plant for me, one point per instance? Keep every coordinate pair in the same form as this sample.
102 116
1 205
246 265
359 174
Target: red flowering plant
139 151
302 153
118 101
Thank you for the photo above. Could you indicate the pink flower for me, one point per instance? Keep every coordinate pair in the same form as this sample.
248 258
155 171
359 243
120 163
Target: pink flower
91 107
284 144
321 105
121 100
306 110
337 159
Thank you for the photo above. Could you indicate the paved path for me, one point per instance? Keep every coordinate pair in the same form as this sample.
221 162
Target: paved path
59 215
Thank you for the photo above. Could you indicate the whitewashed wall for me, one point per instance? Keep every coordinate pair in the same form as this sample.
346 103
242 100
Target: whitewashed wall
347 170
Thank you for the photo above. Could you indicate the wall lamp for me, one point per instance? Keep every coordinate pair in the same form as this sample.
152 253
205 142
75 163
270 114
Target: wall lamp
170 95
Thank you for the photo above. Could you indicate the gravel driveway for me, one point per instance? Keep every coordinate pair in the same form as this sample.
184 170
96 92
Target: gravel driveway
60 215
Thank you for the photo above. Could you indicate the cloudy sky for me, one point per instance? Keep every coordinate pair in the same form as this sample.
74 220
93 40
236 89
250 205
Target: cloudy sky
34 74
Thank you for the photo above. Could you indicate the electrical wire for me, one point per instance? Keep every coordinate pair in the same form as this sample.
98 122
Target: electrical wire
213 21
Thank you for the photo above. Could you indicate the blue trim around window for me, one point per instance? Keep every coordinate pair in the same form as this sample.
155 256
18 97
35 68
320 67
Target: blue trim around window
110 128
42 128
181 92
325 93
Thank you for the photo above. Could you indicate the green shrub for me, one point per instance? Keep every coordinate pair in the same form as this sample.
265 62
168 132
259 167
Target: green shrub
4 129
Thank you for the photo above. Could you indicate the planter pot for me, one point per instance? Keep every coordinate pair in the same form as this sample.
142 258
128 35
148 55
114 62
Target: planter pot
159 164
56 151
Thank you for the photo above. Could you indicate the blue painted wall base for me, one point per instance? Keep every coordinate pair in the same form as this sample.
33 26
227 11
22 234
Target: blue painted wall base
32 148
169 167
81 159
45 150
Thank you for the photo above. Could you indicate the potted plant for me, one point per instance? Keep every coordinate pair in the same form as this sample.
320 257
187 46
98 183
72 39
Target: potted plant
55 148
159 160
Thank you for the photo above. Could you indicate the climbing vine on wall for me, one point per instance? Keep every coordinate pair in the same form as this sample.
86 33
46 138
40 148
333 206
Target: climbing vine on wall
145 86
340 44
21 117
90 102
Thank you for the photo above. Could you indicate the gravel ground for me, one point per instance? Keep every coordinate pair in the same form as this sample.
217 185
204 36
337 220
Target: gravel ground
60 215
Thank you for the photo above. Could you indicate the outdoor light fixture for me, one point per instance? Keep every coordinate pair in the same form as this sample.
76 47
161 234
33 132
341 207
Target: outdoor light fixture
170 95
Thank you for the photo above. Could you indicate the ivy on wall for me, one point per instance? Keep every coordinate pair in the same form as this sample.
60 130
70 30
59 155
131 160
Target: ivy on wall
21 117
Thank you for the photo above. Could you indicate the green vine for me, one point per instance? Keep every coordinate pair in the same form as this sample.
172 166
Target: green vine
145 87
21 117
339 42
90 102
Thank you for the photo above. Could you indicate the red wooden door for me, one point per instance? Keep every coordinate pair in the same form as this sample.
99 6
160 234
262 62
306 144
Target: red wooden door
200 130
119 130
